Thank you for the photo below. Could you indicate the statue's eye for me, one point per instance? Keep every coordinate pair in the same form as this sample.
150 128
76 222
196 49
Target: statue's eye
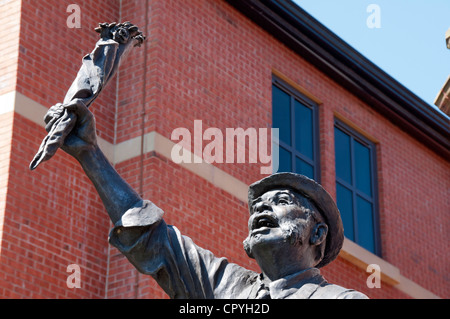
284 201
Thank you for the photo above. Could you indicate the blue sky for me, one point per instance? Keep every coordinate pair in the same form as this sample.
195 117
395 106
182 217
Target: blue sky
409 45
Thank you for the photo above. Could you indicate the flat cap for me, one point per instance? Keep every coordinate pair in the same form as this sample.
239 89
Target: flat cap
314 192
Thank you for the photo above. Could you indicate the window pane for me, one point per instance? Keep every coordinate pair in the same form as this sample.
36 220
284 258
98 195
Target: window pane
285 160
345 204
365 224
362 168
342 154
281 114
303 129
304 168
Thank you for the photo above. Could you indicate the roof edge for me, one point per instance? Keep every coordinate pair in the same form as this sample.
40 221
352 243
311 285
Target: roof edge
303 34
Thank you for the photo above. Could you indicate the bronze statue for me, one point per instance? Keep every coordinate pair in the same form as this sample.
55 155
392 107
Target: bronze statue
98 67
294 229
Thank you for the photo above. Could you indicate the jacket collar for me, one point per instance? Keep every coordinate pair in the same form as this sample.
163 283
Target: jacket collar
303 284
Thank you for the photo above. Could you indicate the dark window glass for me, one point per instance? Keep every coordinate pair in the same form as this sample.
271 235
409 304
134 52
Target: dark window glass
342 155
365 223
281 115
285 160
295 117
355 187
304 168
304 129
363 178
345 205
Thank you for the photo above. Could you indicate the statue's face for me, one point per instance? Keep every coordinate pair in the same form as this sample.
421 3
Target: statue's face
278 217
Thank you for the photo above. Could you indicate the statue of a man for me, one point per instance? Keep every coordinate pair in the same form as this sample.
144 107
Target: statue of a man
294 229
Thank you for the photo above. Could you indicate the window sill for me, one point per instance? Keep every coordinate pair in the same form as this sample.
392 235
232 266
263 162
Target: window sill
390 274
361 257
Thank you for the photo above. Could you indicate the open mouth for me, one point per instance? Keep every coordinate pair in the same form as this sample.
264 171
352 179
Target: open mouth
263 221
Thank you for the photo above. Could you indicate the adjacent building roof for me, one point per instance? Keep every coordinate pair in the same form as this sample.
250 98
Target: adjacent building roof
442 100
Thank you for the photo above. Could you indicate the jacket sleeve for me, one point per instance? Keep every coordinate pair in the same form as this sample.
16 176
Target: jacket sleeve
180 267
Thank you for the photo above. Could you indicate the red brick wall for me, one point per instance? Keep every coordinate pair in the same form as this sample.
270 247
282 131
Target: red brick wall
6 121
9 48
10 14
202 60
53 217
212 64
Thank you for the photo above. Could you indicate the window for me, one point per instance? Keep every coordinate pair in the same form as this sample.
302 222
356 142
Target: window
295 116
356 191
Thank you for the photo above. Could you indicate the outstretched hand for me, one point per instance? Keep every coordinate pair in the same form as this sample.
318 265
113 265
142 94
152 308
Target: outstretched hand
83 136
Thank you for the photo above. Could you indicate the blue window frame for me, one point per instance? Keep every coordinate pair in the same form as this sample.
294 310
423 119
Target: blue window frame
356 187
296 118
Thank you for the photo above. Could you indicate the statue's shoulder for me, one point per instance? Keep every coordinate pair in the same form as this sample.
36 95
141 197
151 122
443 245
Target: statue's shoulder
331 291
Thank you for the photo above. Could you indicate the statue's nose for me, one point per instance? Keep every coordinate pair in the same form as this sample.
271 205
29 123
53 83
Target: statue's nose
261 207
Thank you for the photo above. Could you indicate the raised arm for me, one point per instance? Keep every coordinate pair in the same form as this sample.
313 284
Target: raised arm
180 267
115 193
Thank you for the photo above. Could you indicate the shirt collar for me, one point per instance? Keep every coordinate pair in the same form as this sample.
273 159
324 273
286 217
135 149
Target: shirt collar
304 282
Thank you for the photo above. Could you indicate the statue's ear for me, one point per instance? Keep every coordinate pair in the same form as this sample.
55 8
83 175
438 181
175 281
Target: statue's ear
317 239
318 234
